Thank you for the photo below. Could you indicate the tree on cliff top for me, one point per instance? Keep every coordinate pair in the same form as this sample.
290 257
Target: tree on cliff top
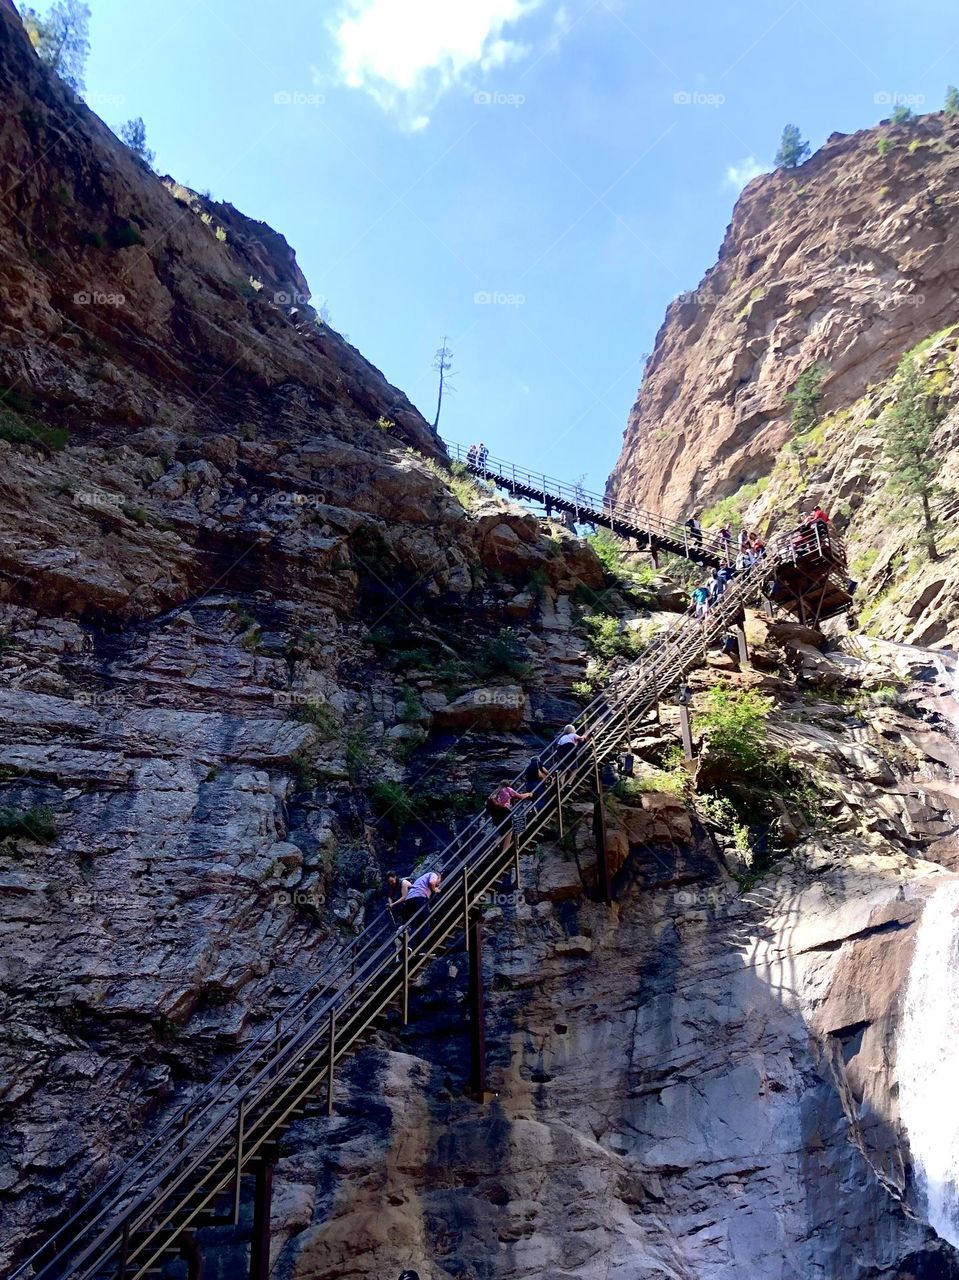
908 430
134 134
792 149
952 101
61 39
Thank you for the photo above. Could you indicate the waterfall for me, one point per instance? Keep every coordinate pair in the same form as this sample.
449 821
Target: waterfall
928 1059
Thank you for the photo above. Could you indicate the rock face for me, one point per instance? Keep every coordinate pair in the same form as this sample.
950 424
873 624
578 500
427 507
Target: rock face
254 648
698 1084
848 260
126 303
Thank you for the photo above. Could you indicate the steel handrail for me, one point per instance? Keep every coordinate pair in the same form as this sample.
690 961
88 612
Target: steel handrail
587 501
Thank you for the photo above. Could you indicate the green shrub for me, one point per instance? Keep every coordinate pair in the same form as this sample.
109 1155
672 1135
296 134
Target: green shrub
27 431
123 236
884 145
38 823
606 639
320 716
502 654
392 800
735 723
672 779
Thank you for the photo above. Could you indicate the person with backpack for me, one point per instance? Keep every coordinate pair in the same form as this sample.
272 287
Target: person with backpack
499 806
731 649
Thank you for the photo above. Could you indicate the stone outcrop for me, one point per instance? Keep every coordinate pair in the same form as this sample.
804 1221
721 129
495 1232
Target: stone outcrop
699 1083
848 260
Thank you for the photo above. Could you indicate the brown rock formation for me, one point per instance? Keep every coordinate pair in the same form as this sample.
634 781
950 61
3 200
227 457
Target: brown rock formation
848 260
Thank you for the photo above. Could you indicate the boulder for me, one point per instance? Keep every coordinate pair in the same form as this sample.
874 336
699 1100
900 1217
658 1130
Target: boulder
502 707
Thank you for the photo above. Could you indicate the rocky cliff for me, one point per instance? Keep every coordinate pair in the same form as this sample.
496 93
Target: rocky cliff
697 1084
848 260
256 646
848 263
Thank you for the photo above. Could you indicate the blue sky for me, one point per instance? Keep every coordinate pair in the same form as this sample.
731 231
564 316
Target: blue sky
534 179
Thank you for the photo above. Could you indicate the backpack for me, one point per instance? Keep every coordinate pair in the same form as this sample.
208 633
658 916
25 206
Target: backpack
493 807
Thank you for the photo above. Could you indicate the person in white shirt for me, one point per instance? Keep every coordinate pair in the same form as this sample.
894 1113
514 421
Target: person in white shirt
418 900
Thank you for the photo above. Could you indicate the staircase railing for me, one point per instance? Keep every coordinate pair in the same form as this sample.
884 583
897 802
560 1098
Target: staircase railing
588 507
198 1155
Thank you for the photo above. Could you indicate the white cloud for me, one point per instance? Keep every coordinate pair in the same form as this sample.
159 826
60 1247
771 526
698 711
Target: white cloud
737 175
407 53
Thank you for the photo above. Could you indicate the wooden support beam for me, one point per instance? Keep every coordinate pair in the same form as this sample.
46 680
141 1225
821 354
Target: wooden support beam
192 1253
599 833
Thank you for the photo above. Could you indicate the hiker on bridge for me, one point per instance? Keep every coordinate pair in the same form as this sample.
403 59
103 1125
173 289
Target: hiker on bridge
396 892
499 806
695 531
701 601
417 900
481 455
566 745
534 776
471 453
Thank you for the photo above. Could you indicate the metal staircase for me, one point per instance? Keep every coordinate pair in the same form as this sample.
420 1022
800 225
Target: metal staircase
189 1173
811 580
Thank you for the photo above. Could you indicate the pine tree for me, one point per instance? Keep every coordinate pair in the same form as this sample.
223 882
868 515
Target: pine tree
908 432
792 149
443 364
903 115
61 39
134 134
952 101
805 398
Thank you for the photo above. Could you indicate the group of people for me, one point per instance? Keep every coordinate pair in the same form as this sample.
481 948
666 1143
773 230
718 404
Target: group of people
477 455
711 590
750 545
408 898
